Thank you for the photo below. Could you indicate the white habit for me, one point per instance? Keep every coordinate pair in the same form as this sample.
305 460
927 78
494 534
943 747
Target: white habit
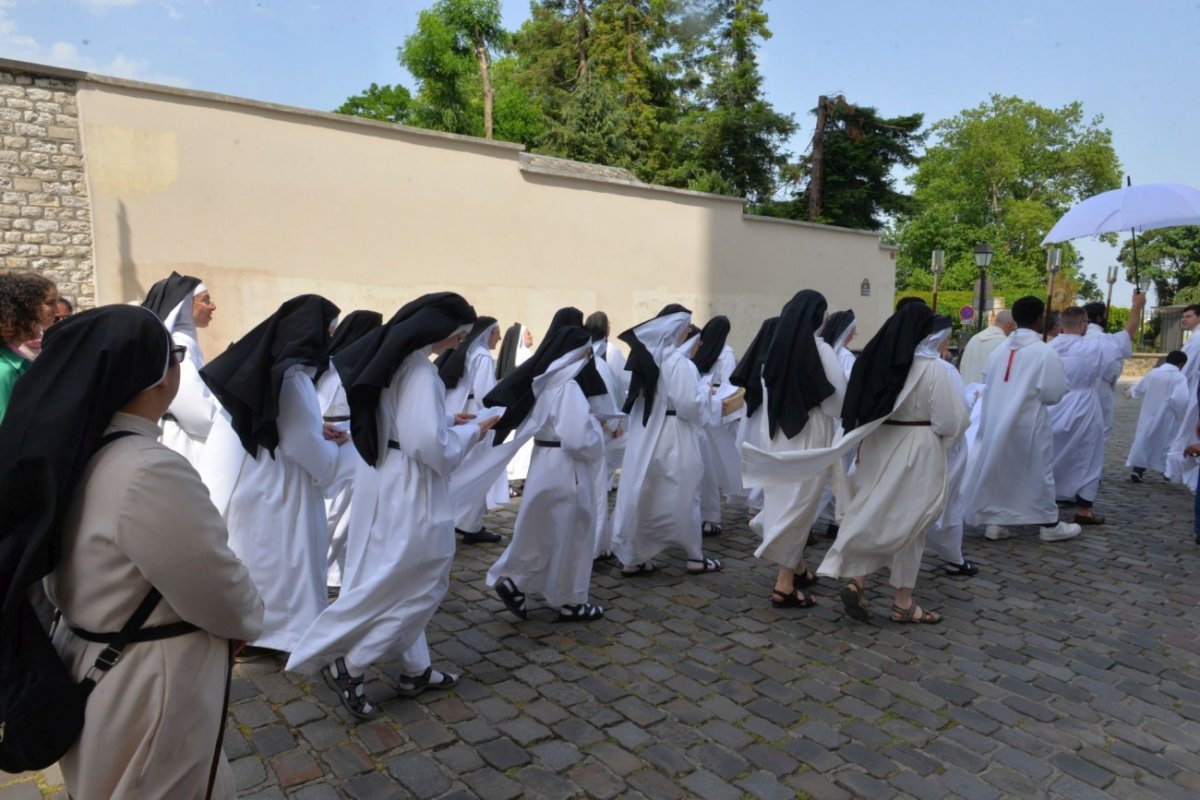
945 534
467 398
401 542
275 507
142 517
1010 475
188 421
1164 395
1078 419
722 462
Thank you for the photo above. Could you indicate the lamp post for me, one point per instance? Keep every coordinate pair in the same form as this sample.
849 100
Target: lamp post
983 260
1053 264
937 265
1112 278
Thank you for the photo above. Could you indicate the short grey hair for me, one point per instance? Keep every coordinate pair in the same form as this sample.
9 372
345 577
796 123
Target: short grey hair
1004 317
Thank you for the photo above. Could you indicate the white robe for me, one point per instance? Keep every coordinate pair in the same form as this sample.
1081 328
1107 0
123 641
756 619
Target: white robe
190 417
552 546
1164 395
1180 468
979 348
722 464
1077 419
1120 348
275 507
944 537
152 721
828 507
789 510
401 543
658 500
518 467
614 450
1010 475
467 398
331 397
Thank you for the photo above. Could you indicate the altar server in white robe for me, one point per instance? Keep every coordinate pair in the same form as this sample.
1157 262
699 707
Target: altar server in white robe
469 373
747 375
981 346
1010 474
113 520
722 464
401 542
268 462
1120 348
657 506
1181 469
900 411
944 538
803 389
1164 395
838 330
335 411
184 304
1078 419
552 544
614 446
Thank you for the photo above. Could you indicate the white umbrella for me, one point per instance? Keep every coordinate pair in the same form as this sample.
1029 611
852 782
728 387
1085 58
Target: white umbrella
1145 207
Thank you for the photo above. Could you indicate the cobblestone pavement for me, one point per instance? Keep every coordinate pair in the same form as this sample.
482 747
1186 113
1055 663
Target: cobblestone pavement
1062 670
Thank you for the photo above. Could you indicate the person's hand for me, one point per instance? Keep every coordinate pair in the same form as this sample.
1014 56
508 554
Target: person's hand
463 419
334 434
1138 303
487 425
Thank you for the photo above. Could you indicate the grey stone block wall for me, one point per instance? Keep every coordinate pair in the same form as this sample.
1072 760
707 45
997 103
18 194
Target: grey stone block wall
45 220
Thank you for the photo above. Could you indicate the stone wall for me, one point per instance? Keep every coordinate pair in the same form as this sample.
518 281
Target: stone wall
45 220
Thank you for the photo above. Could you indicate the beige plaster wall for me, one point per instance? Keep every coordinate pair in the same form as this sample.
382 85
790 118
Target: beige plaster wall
265 202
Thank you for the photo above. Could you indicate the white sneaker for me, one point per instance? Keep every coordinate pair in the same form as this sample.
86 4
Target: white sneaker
1056 533
996 532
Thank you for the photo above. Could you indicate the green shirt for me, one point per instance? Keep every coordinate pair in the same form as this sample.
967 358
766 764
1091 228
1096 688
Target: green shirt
12 364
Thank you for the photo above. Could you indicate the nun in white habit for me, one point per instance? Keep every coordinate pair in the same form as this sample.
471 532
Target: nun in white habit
837 331
184 304
335 410
551 549
657 503
614 446
715 362
747 375
515 350
401 541
803 388
469 372
268 463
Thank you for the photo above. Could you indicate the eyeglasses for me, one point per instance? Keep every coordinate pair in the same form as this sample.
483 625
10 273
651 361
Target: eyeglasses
178 353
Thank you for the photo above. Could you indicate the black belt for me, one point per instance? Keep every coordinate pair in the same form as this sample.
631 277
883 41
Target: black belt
169 417
393 444
150 634
671 412
345 418
471 396
923 422
546 443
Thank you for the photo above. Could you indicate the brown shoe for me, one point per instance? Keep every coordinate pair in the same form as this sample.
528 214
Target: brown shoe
1090 519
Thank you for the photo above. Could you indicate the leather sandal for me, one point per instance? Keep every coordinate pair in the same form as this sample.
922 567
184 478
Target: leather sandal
706 565
349 689
580 612
908 616
797 598
805 579
413 685
514 598
855 602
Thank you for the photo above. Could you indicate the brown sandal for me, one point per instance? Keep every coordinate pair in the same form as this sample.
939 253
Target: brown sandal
908 616
797 598
855 602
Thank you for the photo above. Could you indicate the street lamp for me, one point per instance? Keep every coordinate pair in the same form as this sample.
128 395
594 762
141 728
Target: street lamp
983 260
937 266
1053 264
1112 278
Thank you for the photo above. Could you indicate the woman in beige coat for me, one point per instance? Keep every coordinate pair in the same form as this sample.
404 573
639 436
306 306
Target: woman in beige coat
135 517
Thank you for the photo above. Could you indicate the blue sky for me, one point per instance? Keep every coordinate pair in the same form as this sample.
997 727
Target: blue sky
1137 64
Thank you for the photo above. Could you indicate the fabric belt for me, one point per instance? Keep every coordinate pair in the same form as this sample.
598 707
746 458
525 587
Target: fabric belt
169 417
151 634
546 443
471 396
671 412
922 422
393 444
342 418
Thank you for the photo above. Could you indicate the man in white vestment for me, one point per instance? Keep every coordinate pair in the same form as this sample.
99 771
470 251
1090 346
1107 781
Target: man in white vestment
1180 469
1164 395
1010 475
1120 348
401 542
1077 419
979 348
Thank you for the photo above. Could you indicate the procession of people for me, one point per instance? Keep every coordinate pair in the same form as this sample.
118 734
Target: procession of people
318 477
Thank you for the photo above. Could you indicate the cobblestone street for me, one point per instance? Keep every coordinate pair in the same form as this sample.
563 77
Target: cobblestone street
1061 670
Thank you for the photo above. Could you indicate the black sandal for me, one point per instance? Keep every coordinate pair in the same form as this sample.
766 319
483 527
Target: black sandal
706 565
413 685
645 568
711 529
514 598
805 580
797 598
855 602
349 689
581 612
966 568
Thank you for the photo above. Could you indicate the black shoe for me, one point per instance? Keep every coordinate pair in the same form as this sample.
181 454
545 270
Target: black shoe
966 568
711 529
831 531
481 536
1135 477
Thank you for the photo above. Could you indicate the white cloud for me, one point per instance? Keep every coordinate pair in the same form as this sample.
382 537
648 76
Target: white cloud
20 47
101 6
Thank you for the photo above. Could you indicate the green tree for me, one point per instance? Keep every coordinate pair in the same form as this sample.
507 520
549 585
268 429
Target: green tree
384 103
1003 173
857 151
1170 257
450 55
592 128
